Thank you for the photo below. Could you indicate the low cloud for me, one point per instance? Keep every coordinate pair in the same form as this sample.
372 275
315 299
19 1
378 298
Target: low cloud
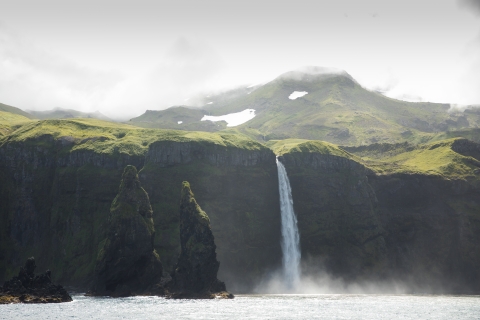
186 69
33 78
36 79
473 5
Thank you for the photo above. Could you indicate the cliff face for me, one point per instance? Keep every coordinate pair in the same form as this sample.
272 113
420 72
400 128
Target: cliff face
57 190
239 190
55 202
336 211
419 228
433 227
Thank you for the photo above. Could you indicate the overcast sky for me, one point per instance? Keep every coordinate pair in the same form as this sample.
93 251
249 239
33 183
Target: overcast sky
123 57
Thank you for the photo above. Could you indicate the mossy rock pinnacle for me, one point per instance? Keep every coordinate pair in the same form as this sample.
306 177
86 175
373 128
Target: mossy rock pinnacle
127 263
189 200
195 274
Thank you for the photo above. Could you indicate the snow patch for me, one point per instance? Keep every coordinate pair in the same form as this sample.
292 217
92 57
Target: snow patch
180 122
297 94
233 119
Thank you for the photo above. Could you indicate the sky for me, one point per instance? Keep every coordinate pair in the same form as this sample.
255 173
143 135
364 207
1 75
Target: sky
124 57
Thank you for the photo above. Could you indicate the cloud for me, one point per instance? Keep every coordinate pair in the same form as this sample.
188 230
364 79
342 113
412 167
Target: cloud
184 71
473 5
34 78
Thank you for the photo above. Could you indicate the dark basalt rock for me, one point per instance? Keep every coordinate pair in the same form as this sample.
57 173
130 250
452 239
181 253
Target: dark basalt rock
127 263
195 275
30 288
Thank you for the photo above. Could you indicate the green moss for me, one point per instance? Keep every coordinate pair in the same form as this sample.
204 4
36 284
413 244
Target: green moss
437 158
113 138
187 196
281 147
193 246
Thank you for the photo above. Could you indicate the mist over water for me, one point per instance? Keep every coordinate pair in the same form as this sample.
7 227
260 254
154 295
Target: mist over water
290 237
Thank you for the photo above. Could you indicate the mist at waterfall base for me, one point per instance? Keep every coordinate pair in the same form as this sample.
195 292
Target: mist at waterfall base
309 276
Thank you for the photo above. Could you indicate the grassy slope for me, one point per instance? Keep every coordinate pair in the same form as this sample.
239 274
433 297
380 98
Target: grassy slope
169 118
281 147
105 137
7 108
436 158
11 121
338 110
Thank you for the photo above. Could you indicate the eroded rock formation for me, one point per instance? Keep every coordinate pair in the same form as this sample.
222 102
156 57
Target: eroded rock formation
30 288
195 275
127 263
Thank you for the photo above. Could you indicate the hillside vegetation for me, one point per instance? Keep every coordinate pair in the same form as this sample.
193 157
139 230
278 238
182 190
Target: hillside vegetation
336 109
105 137
451 158
14 110
10 121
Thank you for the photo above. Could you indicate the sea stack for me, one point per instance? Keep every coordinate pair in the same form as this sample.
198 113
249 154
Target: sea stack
30 288
127 263
195 275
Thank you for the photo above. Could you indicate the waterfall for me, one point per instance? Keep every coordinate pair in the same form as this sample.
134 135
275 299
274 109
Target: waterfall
290 236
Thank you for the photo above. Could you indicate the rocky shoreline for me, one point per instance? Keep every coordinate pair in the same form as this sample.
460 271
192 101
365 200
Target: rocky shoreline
30 288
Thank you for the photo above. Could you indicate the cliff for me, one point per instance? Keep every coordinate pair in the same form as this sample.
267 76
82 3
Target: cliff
411 213
411 218
59 178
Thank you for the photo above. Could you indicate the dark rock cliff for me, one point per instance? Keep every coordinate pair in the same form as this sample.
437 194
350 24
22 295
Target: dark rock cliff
127 263
336 211
56 195
167 153
422 230
54 203
239 190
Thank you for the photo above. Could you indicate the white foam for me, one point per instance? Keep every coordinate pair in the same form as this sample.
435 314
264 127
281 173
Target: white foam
180 122
233 119
297 94
210 103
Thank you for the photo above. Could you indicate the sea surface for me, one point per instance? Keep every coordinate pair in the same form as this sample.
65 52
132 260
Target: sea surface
324 306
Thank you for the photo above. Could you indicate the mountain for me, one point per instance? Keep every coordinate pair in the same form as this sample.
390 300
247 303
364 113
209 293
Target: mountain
59 113
14 110
179 118
335 108
339 110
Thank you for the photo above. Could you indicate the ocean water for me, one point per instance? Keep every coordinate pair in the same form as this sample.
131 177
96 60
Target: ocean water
324 306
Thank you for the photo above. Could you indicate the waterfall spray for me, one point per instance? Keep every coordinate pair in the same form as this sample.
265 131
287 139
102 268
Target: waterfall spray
290 236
